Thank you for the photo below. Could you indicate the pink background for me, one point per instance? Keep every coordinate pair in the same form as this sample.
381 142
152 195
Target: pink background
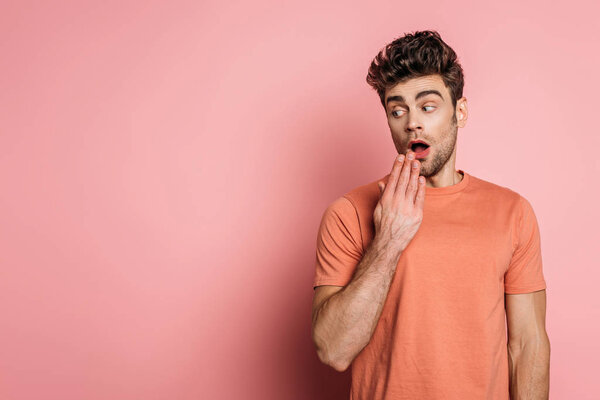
164 167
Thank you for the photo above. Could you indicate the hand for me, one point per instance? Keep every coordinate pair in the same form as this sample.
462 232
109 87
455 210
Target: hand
399 212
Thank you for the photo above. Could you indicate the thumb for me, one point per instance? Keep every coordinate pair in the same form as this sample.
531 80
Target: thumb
381 186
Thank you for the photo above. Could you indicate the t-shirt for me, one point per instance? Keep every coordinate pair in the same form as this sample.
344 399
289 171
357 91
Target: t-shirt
442 331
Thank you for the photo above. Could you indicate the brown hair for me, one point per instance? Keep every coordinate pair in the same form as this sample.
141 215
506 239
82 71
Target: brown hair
414 55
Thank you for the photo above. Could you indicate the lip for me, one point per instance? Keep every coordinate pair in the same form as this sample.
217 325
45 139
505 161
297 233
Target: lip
422 154
416 141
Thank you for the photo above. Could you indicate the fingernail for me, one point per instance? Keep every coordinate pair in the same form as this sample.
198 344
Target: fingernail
401 157
410 156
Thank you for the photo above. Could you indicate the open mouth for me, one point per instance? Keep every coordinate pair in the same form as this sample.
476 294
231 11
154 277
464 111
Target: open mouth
419 147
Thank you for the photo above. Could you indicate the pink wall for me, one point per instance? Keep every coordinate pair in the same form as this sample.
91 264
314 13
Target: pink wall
164 167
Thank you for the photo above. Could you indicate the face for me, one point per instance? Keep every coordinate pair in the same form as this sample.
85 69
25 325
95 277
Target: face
421 108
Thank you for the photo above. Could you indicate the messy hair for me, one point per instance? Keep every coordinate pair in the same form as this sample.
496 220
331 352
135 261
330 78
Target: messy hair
414 55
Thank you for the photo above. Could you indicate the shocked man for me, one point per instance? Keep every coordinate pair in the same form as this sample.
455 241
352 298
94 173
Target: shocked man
429 280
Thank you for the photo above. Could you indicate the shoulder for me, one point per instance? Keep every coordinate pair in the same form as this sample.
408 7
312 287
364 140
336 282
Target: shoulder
341 209
495 194
505 204
354 211
364 198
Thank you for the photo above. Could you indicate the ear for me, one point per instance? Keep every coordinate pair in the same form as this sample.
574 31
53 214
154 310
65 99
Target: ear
461 112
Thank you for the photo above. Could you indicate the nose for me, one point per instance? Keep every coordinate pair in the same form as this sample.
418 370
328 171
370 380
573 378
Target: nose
413 123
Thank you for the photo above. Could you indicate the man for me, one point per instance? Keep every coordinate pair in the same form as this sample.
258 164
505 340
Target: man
420 273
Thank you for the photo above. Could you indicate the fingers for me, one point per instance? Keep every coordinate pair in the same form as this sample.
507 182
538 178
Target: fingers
393 179
411 189
404 181
404 175
420 197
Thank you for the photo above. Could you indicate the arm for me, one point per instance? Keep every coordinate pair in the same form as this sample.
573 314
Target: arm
528 346
344 322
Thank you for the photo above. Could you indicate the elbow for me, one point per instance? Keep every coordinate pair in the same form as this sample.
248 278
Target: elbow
326 357
338 365
326 351
520 344
537 348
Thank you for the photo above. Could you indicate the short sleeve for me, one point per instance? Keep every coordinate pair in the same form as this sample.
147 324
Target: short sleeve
339 244
525 273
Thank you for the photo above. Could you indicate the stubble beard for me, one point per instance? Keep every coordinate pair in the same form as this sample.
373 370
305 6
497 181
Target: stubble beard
431 166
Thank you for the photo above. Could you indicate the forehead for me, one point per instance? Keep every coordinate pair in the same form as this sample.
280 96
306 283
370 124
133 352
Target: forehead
411 87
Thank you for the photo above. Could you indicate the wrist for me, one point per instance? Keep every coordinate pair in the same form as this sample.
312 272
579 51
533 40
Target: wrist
384 248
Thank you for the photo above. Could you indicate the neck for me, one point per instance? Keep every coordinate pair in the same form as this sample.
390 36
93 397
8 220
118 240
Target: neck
443 178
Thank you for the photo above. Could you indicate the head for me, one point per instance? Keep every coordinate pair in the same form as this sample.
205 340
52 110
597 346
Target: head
420 82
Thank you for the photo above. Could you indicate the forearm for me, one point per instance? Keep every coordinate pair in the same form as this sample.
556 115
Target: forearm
529 368
346 321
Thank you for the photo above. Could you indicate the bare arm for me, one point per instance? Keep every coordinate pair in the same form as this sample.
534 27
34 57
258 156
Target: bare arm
528 346
344 323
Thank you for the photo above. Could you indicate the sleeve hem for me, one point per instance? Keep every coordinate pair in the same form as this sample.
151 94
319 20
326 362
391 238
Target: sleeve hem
329 282
524 289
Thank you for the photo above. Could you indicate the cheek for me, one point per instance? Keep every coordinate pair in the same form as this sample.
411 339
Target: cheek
439 122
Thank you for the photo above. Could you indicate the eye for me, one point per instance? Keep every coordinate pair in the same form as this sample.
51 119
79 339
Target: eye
396 115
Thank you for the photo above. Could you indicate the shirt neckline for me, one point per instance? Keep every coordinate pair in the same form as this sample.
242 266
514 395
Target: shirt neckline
446 190
457 187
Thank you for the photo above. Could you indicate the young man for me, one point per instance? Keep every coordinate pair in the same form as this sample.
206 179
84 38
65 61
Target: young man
419 273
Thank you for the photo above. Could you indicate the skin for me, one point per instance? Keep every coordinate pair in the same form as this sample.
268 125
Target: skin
344 318
431 118
528 346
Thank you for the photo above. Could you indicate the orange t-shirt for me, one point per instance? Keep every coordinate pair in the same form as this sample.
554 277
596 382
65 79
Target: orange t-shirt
442 331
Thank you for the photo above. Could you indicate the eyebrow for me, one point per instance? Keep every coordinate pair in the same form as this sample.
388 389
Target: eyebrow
419 95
